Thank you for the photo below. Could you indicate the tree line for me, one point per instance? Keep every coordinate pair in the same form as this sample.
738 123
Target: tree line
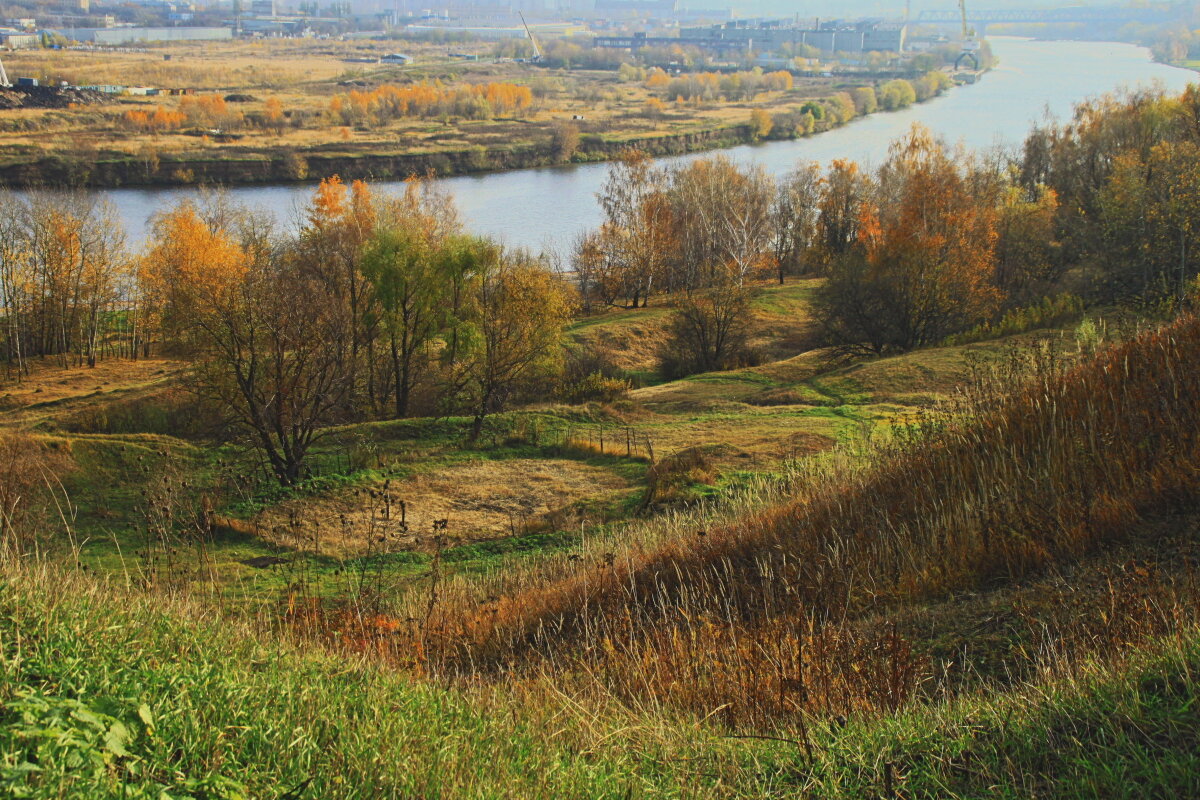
378 307
469 101
381 306
65 277
933 243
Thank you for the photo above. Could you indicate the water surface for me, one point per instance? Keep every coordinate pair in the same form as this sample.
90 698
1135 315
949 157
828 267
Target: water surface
546 208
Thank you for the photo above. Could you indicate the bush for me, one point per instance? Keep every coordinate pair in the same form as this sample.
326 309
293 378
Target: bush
671 479
897 94
595 387
709 332
1050 313
590 373
565 141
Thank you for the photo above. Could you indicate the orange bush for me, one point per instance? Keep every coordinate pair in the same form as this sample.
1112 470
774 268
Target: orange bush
474 101
156 121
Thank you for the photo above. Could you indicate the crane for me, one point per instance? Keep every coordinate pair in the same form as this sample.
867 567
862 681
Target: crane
970 45
537 51
3 76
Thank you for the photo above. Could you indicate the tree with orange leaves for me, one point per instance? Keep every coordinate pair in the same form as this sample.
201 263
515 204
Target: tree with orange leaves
922 263
339 221
273 116
625 262
266 337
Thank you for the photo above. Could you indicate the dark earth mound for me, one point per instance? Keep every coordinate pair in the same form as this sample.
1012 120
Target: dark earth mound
48 97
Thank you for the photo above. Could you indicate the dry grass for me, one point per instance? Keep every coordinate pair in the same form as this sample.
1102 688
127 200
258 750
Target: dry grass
1009 486
52 393
304 76
481 500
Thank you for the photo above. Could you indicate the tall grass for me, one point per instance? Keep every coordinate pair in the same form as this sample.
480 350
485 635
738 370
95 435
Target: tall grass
108 691
1010 484
111 692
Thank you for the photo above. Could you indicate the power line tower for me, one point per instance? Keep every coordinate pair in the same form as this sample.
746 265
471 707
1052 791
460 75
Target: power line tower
3 76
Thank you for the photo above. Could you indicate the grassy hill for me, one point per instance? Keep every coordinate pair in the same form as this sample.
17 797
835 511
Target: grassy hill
108 692
964 571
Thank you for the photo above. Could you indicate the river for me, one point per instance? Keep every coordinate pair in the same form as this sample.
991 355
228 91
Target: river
544 209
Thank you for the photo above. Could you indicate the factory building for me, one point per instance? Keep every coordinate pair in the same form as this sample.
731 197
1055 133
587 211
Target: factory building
832 37
131 35
19 40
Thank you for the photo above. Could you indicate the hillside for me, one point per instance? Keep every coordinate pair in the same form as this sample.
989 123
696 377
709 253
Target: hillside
540 485
950 679
853 483
111 692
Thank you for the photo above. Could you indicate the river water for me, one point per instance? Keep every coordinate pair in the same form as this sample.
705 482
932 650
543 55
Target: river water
544 209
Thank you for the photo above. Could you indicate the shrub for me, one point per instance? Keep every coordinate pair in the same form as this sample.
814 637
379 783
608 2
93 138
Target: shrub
710 331
897 94
1051 312
671 479
595 387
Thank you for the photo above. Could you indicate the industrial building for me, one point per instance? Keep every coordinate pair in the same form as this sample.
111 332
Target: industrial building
18 40
834 36
132 35
769 36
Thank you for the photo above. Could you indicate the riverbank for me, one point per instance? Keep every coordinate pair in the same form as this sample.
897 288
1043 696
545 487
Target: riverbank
233 164
544 209
112 171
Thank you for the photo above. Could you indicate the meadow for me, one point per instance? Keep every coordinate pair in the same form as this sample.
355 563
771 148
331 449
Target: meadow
300 109
379 509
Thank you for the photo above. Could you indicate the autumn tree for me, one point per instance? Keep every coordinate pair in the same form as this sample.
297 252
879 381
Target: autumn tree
564 141
865 101
512 332
760 124
710 330
273 116
62 264
722 218
1151 221
922 265
15 284
896 94
845 195
794 217
625 261
1028 262
339 221
266 338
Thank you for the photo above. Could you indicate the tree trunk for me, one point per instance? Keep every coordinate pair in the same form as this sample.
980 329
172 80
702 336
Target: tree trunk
476 427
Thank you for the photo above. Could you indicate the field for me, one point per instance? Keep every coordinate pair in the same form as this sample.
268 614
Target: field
276 118
854 485
552 472
126 673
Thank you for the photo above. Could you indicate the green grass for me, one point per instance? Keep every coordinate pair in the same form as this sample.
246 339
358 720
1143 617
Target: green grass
108 697
109 692
1126 731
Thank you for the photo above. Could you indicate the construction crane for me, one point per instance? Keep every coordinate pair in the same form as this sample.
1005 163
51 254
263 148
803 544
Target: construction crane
3 76
537 51
970 44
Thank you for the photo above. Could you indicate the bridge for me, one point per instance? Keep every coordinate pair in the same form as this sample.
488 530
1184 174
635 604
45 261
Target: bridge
1104 15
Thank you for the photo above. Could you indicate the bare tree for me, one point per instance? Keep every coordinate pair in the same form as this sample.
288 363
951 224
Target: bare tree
794 217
